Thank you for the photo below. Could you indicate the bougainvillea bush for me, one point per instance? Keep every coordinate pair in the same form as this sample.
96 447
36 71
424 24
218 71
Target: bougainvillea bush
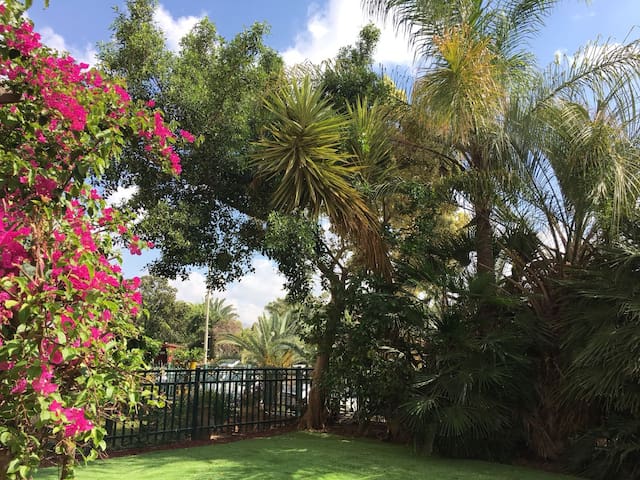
65 308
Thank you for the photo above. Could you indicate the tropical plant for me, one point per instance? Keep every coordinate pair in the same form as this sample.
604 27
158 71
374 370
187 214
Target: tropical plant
223 320
302 150
476 62
553 152
271 342
601 314
582 180
472 390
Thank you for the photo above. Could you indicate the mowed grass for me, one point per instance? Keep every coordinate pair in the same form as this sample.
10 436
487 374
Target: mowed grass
299 455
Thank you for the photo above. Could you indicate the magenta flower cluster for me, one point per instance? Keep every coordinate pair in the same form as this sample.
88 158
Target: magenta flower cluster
66 310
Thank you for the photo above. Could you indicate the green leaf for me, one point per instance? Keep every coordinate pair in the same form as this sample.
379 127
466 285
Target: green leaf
5 437
24 471
14 466
10 303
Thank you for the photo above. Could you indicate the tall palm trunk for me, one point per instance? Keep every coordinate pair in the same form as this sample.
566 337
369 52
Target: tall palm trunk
485 258
484 241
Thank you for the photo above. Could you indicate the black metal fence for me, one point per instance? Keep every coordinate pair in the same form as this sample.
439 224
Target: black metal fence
200 403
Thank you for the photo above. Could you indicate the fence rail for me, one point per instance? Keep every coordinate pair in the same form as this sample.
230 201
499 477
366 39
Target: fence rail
203 402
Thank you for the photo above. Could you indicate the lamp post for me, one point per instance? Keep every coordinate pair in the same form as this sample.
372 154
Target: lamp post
206 327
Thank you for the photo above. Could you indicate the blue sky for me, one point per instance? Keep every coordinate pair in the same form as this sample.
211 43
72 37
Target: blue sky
303 29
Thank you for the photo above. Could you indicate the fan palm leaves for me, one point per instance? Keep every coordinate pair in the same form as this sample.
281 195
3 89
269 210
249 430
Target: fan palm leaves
602 316
303 152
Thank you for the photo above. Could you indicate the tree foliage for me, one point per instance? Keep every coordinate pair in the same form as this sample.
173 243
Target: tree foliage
214 88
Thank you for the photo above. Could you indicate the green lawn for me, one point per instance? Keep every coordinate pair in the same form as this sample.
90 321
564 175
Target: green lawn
297 456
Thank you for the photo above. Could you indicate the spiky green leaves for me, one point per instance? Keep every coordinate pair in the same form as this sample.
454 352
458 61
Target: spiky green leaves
302 149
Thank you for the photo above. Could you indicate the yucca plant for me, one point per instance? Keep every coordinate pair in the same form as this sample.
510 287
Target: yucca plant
302 150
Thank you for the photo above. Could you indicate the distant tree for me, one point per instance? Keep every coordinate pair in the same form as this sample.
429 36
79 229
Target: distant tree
165 318
279 305
222 316
271 342
220 330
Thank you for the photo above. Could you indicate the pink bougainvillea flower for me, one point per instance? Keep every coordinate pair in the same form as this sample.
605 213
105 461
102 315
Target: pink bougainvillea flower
4 366
43 384
20 386
96 333
188 136
55 406
45 186
78 423
134 249
106 315
56 357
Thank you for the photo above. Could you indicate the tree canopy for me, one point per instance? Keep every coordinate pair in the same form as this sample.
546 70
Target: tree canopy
209 217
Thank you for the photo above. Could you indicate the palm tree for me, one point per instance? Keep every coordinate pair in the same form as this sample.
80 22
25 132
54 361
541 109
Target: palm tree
553 152
220 312
476 61
272 342
582 179
478 77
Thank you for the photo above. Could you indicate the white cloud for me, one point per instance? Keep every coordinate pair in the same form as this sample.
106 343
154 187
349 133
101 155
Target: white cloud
249 296
50 38
192 290
592 52
174 28
121 195
337 25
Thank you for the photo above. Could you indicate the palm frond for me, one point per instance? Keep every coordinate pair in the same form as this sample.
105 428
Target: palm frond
273 341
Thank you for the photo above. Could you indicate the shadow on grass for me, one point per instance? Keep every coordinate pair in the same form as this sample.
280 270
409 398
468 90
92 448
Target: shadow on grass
297 456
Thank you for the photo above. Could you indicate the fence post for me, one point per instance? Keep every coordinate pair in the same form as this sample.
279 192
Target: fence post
298 392
194 406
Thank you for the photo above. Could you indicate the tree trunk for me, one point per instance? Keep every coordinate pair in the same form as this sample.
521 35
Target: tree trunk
5 458
484 241
486 264
316 415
